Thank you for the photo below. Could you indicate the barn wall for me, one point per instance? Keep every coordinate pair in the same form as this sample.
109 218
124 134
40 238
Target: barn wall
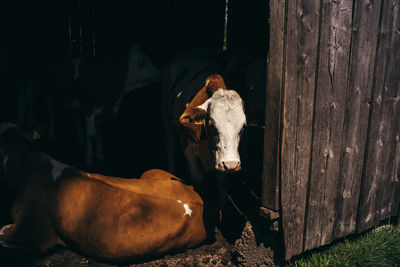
339 91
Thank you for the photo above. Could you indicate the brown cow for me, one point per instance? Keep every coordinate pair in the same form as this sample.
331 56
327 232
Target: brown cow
109 218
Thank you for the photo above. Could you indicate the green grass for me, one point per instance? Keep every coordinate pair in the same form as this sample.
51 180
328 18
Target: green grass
378 248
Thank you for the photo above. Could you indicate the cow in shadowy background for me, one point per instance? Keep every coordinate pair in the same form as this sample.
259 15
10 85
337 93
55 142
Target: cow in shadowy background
79 97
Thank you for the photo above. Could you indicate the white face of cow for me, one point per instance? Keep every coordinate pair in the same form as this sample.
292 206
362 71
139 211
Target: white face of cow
224 124
141 71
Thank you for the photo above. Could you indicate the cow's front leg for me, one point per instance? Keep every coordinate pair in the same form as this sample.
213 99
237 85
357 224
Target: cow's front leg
222 180
169 142
195 168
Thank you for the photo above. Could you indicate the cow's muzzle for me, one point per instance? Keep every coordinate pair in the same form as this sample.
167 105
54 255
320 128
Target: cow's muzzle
229 166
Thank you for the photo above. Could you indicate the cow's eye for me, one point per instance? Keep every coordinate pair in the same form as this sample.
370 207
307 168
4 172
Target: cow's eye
212 129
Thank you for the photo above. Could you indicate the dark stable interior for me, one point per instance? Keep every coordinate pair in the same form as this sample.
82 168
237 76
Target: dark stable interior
37 34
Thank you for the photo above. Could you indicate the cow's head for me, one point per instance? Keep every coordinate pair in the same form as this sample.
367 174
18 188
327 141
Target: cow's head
222 118
141 71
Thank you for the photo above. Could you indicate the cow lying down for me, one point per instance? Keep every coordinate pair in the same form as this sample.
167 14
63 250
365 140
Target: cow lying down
108 218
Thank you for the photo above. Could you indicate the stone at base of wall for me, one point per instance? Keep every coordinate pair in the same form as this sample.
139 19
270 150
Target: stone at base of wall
249 249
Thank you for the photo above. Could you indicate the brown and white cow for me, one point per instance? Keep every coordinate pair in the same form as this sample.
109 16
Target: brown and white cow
108 218
210 118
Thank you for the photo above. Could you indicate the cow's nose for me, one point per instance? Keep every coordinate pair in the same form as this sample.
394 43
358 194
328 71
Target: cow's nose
231 165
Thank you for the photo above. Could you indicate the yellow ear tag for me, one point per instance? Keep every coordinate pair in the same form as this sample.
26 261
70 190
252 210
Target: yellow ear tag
198 122
36 135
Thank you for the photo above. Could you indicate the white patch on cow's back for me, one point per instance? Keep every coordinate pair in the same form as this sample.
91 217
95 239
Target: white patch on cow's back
188 210
57 168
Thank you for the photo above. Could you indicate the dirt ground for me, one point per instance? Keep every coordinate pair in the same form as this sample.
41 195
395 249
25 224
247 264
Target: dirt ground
217 253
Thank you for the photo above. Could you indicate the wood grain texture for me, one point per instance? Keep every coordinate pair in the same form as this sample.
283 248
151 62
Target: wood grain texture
330 102
270 186
380 189
300 67
360 80
340 147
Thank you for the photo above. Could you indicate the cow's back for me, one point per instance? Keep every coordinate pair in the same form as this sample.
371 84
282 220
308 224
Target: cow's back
118 222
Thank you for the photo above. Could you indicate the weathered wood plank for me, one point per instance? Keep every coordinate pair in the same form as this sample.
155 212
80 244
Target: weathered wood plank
330 98
270 185
300 66
391 108
380 188
395 169
360 80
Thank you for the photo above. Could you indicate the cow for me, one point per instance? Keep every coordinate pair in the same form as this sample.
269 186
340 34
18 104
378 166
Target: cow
88 91
208 118
108 218
141 73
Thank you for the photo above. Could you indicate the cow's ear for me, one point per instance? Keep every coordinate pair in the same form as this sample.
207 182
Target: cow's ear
192 121
204 106
213 83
